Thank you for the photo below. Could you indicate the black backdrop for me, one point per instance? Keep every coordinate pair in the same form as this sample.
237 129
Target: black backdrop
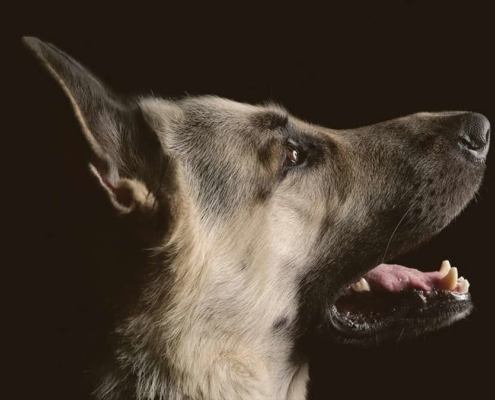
341 67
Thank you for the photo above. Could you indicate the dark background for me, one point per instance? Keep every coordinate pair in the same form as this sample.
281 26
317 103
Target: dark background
341 67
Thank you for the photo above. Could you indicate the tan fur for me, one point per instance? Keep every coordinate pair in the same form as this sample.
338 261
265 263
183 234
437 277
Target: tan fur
215 326
242 245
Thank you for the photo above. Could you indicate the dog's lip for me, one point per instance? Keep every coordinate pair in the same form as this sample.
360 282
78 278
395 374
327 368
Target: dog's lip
413 308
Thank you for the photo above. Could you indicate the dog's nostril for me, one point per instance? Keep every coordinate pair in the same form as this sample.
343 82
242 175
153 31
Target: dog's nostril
474 133
469 144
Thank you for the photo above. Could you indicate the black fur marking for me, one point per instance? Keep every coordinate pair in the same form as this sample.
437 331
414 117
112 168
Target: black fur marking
243 266
426 143
270 120
280 324
263 194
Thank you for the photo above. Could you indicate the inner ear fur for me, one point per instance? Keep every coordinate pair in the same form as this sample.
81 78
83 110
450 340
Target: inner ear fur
109 125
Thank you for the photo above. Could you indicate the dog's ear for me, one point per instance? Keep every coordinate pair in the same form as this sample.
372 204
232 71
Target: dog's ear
103 118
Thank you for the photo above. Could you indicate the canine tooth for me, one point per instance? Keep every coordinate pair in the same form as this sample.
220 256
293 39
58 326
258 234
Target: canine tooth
445 268
366 286
361 286
449 281
464 286
357 287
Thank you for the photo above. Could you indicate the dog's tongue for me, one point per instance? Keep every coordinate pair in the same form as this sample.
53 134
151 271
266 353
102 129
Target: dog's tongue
395 278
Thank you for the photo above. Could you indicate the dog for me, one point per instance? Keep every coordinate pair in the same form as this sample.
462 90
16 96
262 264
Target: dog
263 232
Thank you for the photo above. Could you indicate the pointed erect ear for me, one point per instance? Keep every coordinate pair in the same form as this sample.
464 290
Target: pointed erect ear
101 115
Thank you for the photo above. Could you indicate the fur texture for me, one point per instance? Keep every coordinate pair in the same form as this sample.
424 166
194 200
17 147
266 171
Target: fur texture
246 251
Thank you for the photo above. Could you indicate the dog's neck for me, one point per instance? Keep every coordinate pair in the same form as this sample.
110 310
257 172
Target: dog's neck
176 345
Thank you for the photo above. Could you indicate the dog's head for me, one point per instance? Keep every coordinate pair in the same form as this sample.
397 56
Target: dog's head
260 224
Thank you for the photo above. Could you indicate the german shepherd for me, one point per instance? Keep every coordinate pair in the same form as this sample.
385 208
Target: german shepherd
262 232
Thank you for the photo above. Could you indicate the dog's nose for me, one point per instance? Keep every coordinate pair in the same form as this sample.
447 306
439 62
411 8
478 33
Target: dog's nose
473 133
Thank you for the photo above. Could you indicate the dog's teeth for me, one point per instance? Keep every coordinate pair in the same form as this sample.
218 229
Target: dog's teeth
361 286
464 286
445 268
449 281
365 285
357 286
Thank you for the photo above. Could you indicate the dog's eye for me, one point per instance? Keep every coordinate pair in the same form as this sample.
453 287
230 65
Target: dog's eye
292 156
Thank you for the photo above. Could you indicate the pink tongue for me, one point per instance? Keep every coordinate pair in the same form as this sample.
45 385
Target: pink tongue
394 278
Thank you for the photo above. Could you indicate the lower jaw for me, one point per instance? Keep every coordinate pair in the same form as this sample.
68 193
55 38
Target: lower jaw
369 318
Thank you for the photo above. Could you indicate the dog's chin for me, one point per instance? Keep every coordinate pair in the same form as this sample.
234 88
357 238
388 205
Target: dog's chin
392 301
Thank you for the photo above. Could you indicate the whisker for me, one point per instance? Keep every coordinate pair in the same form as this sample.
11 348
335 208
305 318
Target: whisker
397 227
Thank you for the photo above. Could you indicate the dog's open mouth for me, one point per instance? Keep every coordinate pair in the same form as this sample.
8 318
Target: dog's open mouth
396 300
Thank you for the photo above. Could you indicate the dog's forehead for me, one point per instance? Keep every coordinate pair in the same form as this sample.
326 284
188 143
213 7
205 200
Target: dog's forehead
212 109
